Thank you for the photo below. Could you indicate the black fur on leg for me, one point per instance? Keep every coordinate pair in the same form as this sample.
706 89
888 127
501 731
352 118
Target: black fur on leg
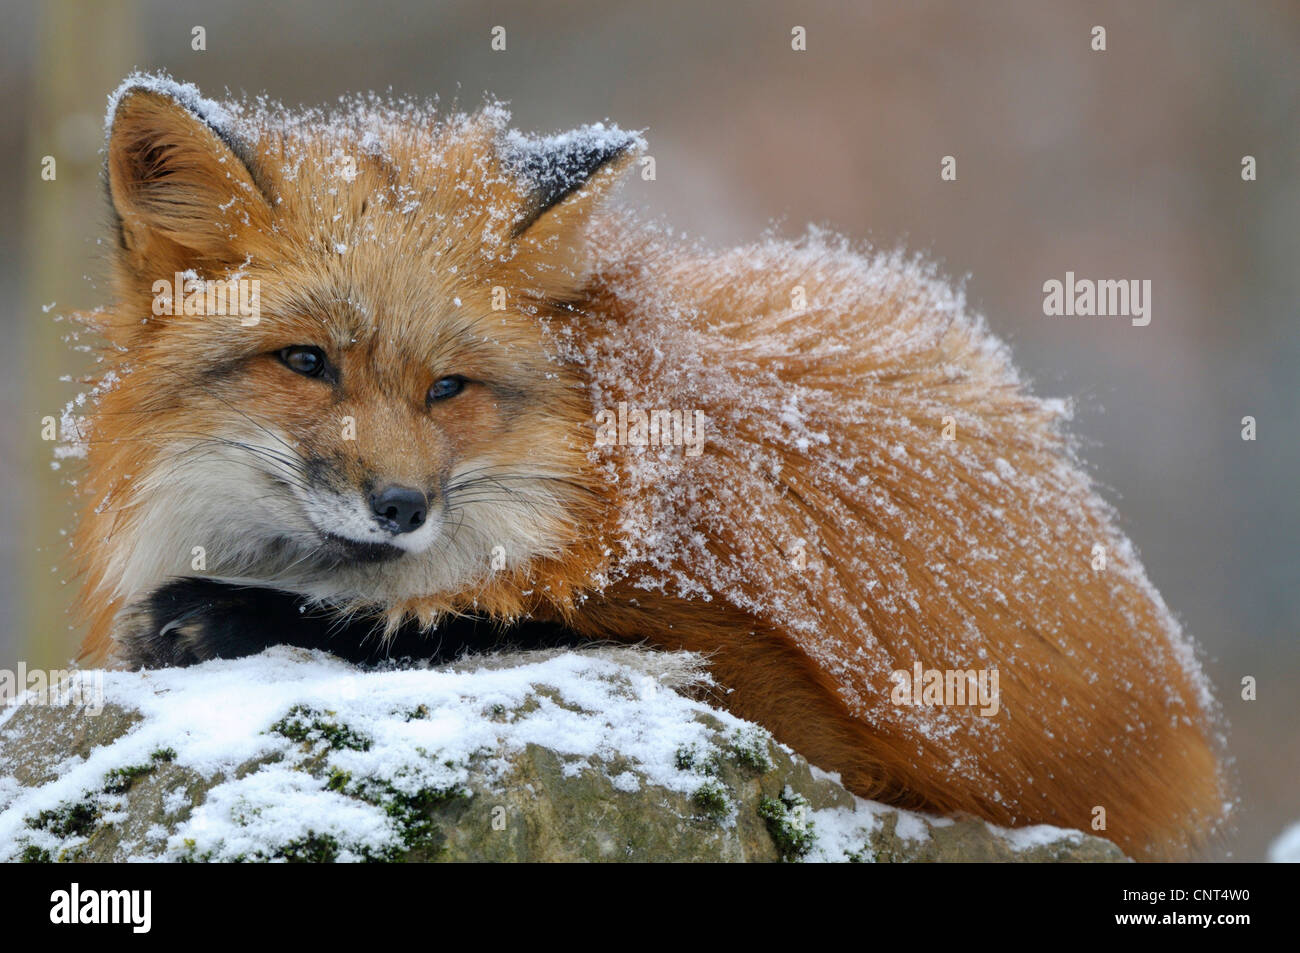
187 621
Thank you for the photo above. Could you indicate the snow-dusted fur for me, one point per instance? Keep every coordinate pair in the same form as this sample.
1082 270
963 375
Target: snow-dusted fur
875 488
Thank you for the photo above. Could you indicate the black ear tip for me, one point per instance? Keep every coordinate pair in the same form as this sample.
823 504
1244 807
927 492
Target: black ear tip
151 100
557 166
570 157
162 86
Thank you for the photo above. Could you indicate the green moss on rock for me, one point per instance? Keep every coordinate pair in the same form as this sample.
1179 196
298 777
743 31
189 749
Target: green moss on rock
312 849
787 822
120 780
712 801
691 758
70 820
309 726
749 749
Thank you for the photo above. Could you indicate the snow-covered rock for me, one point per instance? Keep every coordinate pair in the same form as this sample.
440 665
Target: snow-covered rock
602 754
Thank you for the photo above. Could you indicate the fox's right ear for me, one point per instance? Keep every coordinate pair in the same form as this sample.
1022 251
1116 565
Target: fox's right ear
181 191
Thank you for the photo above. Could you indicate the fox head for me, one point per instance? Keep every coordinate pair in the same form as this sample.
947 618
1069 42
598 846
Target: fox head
332 354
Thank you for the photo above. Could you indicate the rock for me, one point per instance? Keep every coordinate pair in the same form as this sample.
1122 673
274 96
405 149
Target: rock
604 754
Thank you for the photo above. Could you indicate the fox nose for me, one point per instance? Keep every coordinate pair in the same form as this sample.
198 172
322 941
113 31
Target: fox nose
399 509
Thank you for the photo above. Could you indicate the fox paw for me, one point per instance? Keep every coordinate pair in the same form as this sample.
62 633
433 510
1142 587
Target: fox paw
188 621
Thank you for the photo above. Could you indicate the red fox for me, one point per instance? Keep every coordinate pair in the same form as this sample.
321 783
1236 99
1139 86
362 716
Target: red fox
386 381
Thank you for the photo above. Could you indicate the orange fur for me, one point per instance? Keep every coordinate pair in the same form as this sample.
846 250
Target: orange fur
961 554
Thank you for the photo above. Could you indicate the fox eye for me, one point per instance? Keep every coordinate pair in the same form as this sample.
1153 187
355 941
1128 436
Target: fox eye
308 361
445 387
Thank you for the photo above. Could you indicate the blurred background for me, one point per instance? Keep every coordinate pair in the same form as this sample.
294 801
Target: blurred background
1123 164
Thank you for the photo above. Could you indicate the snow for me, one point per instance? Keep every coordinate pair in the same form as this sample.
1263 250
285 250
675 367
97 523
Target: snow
557 162
1038 835
74 426
187 94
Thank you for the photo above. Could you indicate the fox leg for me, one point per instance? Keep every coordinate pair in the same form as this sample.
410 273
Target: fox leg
187 621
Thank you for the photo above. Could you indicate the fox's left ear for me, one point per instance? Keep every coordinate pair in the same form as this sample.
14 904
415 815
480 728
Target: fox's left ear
180 188
567 176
